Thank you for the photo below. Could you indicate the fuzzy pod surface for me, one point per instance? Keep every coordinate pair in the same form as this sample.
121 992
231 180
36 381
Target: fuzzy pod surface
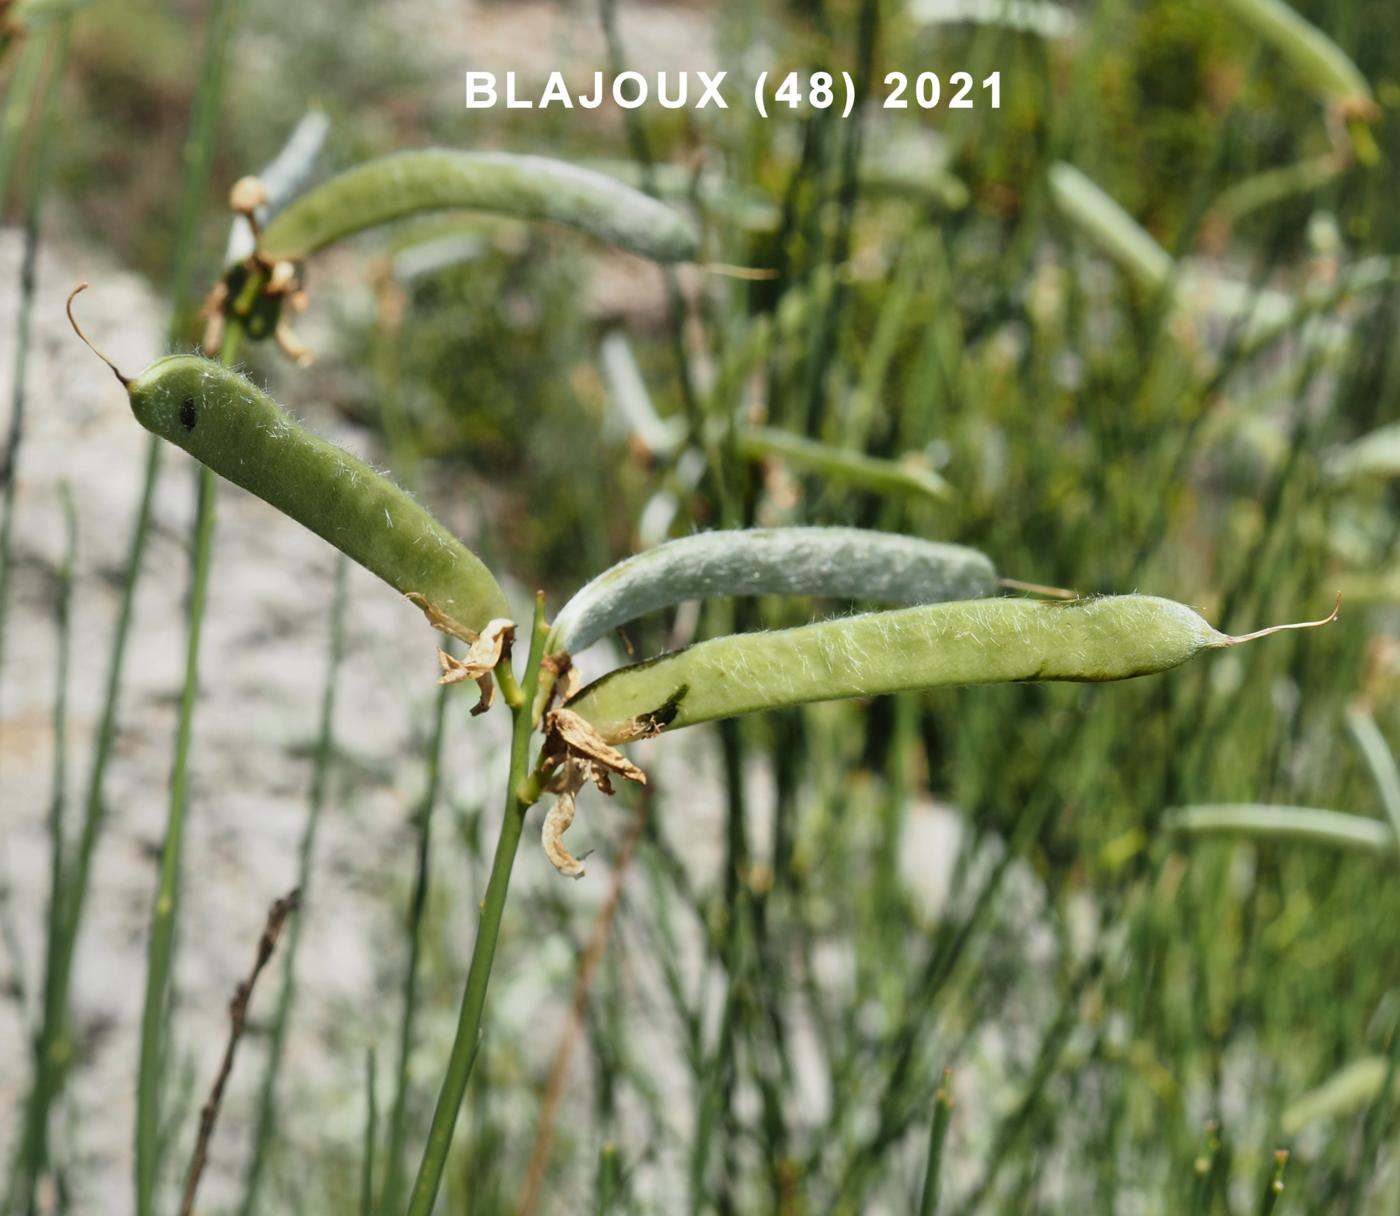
840 563
974 642
226 422
437 179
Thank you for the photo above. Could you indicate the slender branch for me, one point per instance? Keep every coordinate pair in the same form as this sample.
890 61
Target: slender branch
464 1046
161 949
238 1018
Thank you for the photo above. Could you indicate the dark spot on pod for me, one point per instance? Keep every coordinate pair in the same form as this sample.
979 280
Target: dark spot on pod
664 714
188 414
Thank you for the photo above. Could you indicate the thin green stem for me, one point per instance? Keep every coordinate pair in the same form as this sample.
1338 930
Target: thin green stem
55 1048
164 918
464 1047
32 1147
1273 1184
391 1190
47 99
938 1134
198 155
267 1095
371 1136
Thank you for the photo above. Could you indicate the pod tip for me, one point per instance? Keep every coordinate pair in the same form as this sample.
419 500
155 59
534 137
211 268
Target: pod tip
1263 633
78 329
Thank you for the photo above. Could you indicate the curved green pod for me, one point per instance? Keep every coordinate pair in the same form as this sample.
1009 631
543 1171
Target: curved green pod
1351 1088
225 421
1376 455
1267 822
975 642
840 464
1103 219
1317 59
838 563
525 187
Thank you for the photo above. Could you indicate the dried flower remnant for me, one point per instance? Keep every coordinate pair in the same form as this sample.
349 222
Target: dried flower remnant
490 647
574 754
257 290
559 818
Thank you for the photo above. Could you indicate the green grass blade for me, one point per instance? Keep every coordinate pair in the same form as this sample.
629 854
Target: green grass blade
1381 761
266 1121
391 1189
938 1135
371 1138
155 1052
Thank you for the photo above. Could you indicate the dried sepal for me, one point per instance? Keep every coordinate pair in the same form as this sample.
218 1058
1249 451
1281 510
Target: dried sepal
246 195
439 620
573 755
564 679
556 823
491 645
569 736
290 345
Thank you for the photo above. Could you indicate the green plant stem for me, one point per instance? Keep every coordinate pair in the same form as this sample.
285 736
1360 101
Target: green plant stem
198 155
391 1190
464 1046
325 743
371 1136
25 76
938 1134
32 1147
161 951
1273 1185
55 1048
45 103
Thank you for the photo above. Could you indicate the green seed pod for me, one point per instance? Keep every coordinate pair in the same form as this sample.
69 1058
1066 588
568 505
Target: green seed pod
1352 1088
1304 824
225 421
1373 456
525 187
1316 58
976 642
838 563
1099 216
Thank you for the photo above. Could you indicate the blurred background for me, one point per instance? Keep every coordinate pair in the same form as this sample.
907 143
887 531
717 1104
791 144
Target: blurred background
1139 320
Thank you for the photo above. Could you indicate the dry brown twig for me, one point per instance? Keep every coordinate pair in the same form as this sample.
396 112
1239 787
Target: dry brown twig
238 1017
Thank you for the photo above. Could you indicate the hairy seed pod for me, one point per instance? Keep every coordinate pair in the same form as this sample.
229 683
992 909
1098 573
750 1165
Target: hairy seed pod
525 187
837 563
225 421
976 642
